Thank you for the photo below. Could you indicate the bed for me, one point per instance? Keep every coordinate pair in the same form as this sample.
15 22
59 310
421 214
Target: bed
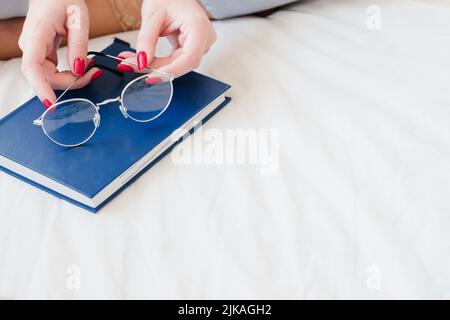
358 95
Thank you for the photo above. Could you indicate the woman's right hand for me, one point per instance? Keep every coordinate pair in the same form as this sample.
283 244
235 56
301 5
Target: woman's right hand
46 24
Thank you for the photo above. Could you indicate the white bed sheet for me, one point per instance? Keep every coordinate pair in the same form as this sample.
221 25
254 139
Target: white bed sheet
360 205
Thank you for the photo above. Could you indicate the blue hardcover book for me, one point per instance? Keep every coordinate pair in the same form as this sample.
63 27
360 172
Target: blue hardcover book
120 151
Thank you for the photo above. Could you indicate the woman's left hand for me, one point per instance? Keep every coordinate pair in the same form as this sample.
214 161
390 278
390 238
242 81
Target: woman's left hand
187 26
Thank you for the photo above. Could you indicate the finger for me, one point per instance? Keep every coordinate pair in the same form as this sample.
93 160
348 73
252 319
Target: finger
175 40
129 64
62 80
126 54
160 62
90 62
33 60
148 38
53 56
188 57
35 74
77 41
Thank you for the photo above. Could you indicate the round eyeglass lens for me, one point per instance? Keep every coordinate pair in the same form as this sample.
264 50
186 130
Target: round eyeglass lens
147 97
71 122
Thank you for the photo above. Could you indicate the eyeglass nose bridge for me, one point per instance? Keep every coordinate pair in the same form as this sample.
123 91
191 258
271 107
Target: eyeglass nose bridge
108 101
121 107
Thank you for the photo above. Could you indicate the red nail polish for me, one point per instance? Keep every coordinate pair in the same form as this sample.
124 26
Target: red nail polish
79 66
97 75
91 63
125 68
46 103
120 57
153 80
142 60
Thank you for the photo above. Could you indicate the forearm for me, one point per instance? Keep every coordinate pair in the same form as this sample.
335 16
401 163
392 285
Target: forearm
109 16
9 33
220 9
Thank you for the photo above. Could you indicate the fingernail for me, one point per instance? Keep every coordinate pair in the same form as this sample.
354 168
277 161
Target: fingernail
153 80
97 75
142 60
121 58
125 68
79 66
46 103
91 63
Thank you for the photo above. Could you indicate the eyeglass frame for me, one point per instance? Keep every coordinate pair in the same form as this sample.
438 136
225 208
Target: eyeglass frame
40 121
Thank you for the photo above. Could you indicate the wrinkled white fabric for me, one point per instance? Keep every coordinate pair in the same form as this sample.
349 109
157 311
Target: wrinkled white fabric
358 209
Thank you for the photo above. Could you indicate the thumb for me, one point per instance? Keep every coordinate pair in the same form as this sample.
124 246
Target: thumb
77 24
148 38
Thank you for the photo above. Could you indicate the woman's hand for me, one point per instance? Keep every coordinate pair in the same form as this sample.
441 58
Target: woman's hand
187 26
47 23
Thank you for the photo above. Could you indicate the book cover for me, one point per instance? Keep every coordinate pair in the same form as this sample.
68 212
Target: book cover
118 143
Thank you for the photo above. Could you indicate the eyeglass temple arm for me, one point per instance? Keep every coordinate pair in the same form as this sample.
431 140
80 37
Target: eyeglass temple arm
101 54
114 71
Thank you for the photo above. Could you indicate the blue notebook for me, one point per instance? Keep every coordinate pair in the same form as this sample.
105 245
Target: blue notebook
121 150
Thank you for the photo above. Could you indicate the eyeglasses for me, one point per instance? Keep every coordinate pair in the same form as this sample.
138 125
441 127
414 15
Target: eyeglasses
73 122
